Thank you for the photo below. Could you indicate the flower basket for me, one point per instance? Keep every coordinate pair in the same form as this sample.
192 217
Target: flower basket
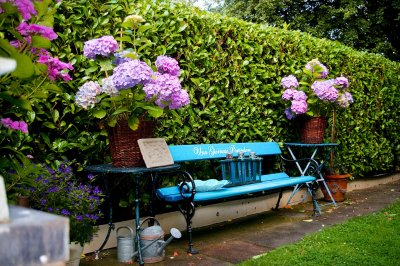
123 144
312 129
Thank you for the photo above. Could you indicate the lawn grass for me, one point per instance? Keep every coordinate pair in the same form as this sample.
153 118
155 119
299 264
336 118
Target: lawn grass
373 239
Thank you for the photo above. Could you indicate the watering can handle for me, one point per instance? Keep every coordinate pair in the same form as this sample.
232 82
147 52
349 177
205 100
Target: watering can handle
127 227
148 218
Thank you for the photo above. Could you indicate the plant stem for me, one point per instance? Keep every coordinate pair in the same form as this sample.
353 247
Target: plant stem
331 161
37 87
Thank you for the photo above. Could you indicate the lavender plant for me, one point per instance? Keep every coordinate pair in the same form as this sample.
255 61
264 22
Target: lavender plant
315 95
133 90
60 192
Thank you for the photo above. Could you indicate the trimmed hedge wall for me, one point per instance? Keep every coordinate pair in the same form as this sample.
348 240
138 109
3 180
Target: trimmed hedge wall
232 71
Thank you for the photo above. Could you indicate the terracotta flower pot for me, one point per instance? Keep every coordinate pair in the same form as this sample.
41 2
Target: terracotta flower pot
337 184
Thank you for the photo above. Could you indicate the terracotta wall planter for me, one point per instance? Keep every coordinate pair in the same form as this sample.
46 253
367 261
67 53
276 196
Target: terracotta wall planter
337 185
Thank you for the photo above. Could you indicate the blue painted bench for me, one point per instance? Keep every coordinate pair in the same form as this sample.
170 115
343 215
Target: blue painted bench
186 197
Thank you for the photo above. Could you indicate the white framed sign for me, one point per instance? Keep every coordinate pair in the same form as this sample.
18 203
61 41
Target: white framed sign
155 152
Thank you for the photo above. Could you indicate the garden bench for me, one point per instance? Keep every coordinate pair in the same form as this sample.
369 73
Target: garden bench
186 197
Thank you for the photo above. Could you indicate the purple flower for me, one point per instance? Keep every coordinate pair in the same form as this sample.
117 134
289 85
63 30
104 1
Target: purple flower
131 73
103 46
53 189
33 29
43 201
166 90
108 86
289 114
15 125
122 58
325 90
56 68
299 96
167 65
25 7
345 99
6 122
341 82
79 217
289 82
90 176
288 94
316 67
299 107
65 212
86 95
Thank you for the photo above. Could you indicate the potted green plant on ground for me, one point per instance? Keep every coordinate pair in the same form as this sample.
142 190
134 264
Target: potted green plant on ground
62 193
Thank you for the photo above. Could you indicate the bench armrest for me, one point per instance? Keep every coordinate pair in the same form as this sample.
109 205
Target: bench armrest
186 184
313 169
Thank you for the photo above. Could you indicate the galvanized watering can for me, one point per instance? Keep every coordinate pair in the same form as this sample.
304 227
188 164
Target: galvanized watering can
151 242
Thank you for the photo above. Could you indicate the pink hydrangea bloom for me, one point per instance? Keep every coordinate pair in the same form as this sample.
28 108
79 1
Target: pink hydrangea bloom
167 65
299 107
289 82
33 29
131 73
288 94
325 90
56 68
103 46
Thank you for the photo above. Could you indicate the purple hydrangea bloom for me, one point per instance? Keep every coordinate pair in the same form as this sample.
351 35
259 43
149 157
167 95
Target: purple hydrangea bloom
289 114
299 96
25 7
103 46
56 68
15 125
167 65
108 86
131 73
33 29
86 95
290 82
121 58
345 99
316 66
166 90
325 90
288 94
299 107
341 82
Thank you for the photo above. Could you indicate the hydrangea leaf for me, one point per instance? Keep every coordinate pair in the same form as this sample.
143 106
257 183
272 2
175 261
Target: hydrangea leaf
99 113
133 122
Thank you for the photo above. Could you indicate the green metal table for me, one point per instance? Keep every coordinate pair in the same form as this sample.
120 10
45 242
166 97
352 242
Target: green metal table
136 173
313 150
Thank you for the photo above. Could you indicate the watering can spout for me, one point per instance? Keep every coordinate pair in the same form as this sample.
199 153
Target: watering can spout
175 233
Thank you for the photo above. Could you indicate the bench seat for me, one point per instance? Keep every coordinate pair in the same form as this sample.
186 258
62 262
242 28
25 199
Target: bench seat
268 182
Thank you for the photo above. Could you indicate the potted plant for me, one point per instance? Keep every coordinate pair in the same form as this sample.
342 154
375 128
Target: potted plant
130 91
62 193
313 97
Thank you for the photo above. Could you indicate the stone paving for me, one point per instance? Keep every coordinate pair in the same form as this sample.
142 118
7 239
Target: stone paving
236 241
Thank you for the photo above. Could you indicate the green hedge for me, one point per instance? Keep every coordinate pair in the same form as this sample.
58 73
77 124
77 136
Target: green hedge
232 70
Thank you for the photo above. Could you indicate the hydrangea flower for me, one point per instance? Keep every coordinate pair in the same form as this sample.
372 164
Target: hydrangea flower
167 65
103 46
345 99
15 125
299 107
120 57
86 95
325 90
289 114
131 73
166 90
316 66
288 94
56 68
289 82
25 7
341 82
33 29
108 86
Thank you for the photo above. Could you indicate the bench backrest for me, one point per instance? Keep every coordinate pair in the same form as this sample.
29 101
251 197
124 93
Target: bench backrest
194 152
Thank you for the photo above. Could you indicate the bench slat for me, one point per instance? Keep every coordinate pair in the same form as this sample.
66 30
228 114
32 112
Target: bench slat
270 182
194 152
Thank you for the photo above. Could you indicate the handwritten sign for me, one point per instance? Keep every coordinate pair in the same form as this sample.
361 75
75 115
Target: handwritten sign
155 152
210 151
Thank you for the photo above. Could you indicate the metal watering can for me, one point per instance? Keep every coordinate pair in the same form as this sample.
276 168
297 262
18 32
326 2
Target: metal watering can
151 242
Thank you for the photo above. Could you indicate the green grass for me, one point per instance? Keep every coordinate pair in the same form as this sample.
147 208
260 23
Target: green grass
367 240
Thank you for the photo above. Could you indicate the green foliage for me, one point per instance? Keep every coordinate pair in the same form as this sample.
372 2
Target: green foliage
367 25
355 242
232 71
